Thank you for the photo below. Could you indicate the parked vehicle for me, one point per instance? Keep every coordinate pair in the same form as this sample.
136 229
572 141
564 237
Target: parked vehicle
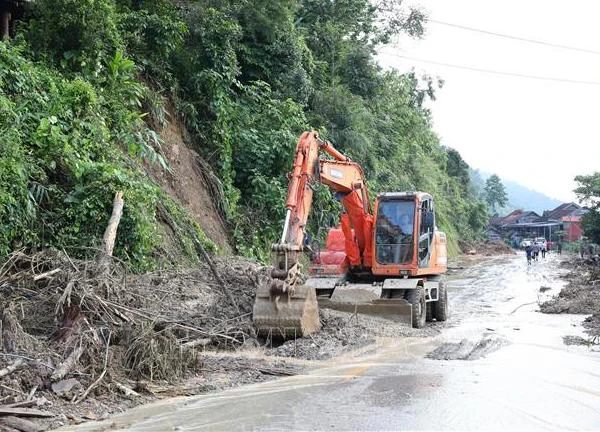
526 242
541 241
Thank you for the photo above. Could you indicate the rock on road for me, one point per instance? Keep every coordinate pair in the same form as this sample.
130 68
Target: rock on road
498 364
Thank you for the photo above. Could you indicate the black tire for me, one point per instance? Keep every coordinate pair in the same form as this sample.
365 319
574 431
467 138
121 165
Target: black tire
416 297
440 307
429 314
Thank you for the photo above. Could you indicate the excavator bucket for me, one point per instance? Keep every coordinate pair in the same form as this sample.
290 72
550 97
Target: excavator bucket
286 316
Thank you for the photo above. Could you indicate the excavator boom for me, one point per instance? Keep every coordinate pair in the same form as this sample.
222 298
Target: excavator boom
287 306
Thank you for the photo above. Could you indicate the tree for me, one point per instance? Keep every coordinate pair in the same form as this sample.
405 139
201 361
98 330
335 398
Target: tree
494 192
588 192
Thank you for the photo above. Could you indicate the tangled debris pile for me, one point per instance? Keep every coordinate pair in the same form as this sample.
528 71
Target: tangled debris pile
581 295
76 331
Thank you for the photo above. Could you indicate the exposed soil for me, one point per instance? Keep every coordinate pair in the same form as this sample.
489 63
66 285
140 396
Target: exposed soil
592 325
342 332
192 182
581 295
485 248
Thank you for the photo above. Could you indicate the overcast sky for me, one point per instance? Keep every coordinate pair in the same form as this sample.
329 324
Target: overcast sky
536 132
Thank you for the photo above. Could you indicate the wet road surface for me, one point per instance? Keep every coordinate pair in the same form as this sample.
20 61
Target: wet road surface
518 373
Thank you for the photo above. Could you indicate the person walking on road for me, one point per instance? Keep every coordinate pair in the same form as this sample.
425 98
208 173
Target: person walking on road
559 248
528 253
543 246
535 250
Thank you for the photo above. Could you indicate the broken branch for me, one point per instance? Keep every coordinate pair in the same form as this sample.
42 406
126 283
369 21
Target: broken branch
110 234
11 368
68 364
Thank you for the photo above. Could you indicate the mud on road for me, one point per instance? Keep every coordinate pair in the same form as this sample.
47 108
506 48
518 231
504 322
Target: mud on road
581 295
498 363
186 339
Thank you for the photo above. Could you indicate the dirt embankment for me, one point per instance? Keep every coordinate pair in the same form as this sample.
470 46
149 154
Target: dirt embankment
191 181
581 295
79 343
485 248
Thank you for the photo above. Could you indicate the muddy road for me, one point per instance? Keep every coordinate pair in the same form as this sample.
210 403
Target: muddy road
497 364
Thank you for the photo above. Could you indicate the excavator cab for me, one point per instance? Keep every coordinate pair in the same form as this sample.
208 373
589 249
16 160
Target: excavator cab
404 240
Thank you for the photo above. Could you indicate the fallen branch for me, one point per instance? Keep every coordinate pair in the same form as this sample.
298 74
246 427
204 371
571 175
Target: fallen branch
67 365
31 393
197 342
213 269
46 274
24 412
11 368
20 424
110 234
22 404
275 372
202 252
95 383
128 392
524 304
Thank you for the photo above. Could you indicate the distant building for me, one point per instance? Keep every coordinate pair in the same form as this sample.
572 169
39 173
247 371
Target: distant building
521 224
572 227
493 234
566 209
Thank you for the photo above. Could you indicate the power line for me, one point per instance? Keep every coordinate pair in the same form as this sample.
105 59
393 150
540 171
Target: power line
517 38
495 72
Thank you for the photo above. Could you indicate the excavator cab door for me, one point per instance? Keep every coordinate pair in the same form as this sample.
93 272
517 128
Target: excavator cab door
426 230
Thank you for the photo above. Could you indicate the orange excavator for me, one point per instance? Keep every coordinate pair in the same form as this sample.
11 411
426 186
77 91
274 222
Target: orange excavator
385 260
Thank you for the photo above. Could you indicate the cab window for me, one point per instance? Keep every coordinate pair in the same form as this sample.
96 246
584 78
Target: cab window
394 232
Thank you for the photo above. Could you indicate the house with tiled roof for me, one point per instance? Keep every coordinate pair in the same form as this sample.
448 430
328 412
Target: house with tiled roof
566 209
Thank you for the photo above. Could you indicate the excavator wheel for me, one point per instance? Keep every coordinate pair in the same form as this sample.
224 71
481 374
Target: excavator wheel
416 297
429 314
440 307
287 316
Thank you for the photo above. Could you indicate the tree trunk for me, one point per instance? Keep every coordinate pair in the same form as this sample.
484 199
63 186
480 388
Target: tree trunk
110 235
5 25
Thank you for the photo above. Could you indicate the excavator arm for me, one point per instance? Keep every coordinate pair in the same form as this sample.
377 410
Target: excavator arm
346 179
286 305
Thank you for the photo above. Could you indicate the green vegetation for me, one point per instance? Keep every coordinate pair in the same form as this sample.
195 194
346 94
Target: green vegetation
494 193
588 191
84 83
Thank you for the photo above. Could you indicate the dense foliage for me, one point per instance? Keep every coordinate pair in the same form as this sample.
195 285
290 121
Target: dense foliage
588 190
246 76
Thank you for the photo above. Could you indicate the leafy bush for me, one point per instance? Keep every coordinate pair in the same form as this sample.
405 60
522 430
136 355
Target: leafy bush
75 34
64 155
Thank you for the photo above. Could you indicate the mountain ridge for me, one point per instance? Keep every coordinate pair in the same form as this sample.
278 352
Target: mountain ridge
519 196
